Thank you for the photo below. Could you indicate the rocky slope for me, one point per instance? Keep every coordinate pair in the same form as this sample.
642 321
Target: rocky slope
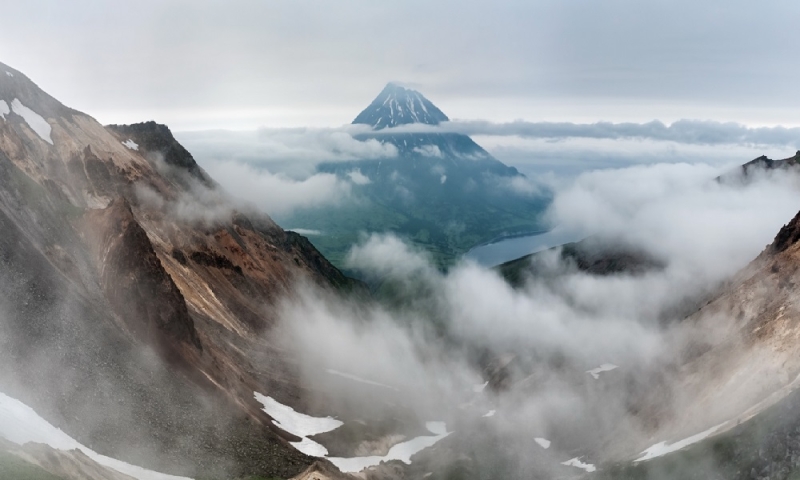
138 298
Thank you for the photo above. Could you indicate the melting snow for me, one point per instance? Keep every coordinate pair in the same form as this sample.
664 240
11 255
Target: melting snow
606 367
662 448
131 144
490 413
20 424
359 379
543 442
304 426
576 462
37 123
299 424
9 74
479 387
4 110
402 451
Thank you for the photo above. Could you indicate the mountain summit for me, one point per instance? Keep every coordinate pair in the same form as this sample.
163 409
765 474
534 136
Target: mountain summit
397 105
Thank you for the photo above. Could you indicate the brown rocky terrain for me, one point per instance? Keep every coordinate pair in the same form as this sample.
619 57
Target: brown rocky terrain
132 319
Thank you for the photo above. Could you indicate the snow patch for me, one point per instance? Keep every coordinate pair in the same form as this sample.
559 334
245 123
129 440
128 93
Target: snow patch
9 74
576 462
543 442
359 379
303 426
606 367
20 424
662 448
402 451
37 123
490 413
4 110
131 144
294 422
443 179
299 424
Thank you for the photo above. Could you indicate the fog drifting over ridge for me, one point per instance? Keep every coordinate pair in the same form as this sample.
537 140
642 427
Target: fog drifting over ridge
555 327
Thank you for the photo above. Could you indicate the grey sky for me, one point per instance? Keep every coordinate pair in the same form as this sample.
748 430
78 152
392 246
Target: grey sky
243 64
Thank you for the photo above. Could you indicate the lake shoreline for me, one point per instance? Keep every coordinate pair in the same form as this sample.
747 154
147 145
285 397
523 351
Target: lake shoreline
512 247
510 236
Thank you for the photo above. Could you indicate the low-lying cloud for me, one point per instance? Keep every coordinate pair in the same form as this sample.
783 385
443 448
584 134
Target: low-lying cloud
693 132
277 193
292 151
453 330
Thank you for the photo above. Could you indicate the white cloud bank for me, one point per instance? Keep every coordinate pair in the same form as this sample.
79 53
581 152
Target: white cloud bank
704 232
277 193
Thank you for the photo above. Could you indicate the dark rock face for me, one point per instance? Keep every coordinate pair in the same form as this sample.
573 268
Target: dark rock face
135 283
760 164
788 235
152 137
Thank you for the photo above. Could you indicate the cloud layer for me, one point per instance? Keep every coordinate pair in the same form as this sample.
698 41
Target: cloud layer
549 333
691 132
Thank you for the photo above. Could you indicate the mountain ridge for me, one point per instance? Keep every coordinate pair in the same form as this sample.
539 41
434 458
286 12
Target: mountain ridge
154 315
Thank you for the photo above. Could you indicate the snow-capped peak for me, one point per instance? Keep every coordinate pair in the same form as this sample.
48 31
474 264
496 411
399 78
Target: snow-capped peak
397 105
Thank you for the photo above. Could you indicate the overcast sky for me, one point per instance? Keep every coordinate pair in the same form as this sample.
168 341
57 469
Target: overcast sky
242 64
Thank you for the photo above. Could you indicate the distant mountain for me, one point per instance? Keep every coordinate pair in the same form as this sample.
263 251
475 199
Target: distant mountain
396 105
441 191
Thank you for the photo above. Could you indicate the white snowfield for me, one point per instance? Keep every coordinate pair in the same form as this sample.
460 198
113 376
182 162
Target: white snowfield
359 379
304 426
20 424
4 110
37 123
131 144
576 462
543 442
662 448
606 367
402 451
299 424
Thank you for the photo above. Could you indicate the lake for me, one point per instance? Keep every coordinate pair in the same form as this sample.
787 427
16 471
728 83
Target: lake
502 251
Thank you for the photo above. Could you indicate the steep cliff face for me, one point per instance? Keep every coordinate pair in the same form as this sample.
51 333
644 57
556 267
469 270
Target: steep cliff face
140 291
133 319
